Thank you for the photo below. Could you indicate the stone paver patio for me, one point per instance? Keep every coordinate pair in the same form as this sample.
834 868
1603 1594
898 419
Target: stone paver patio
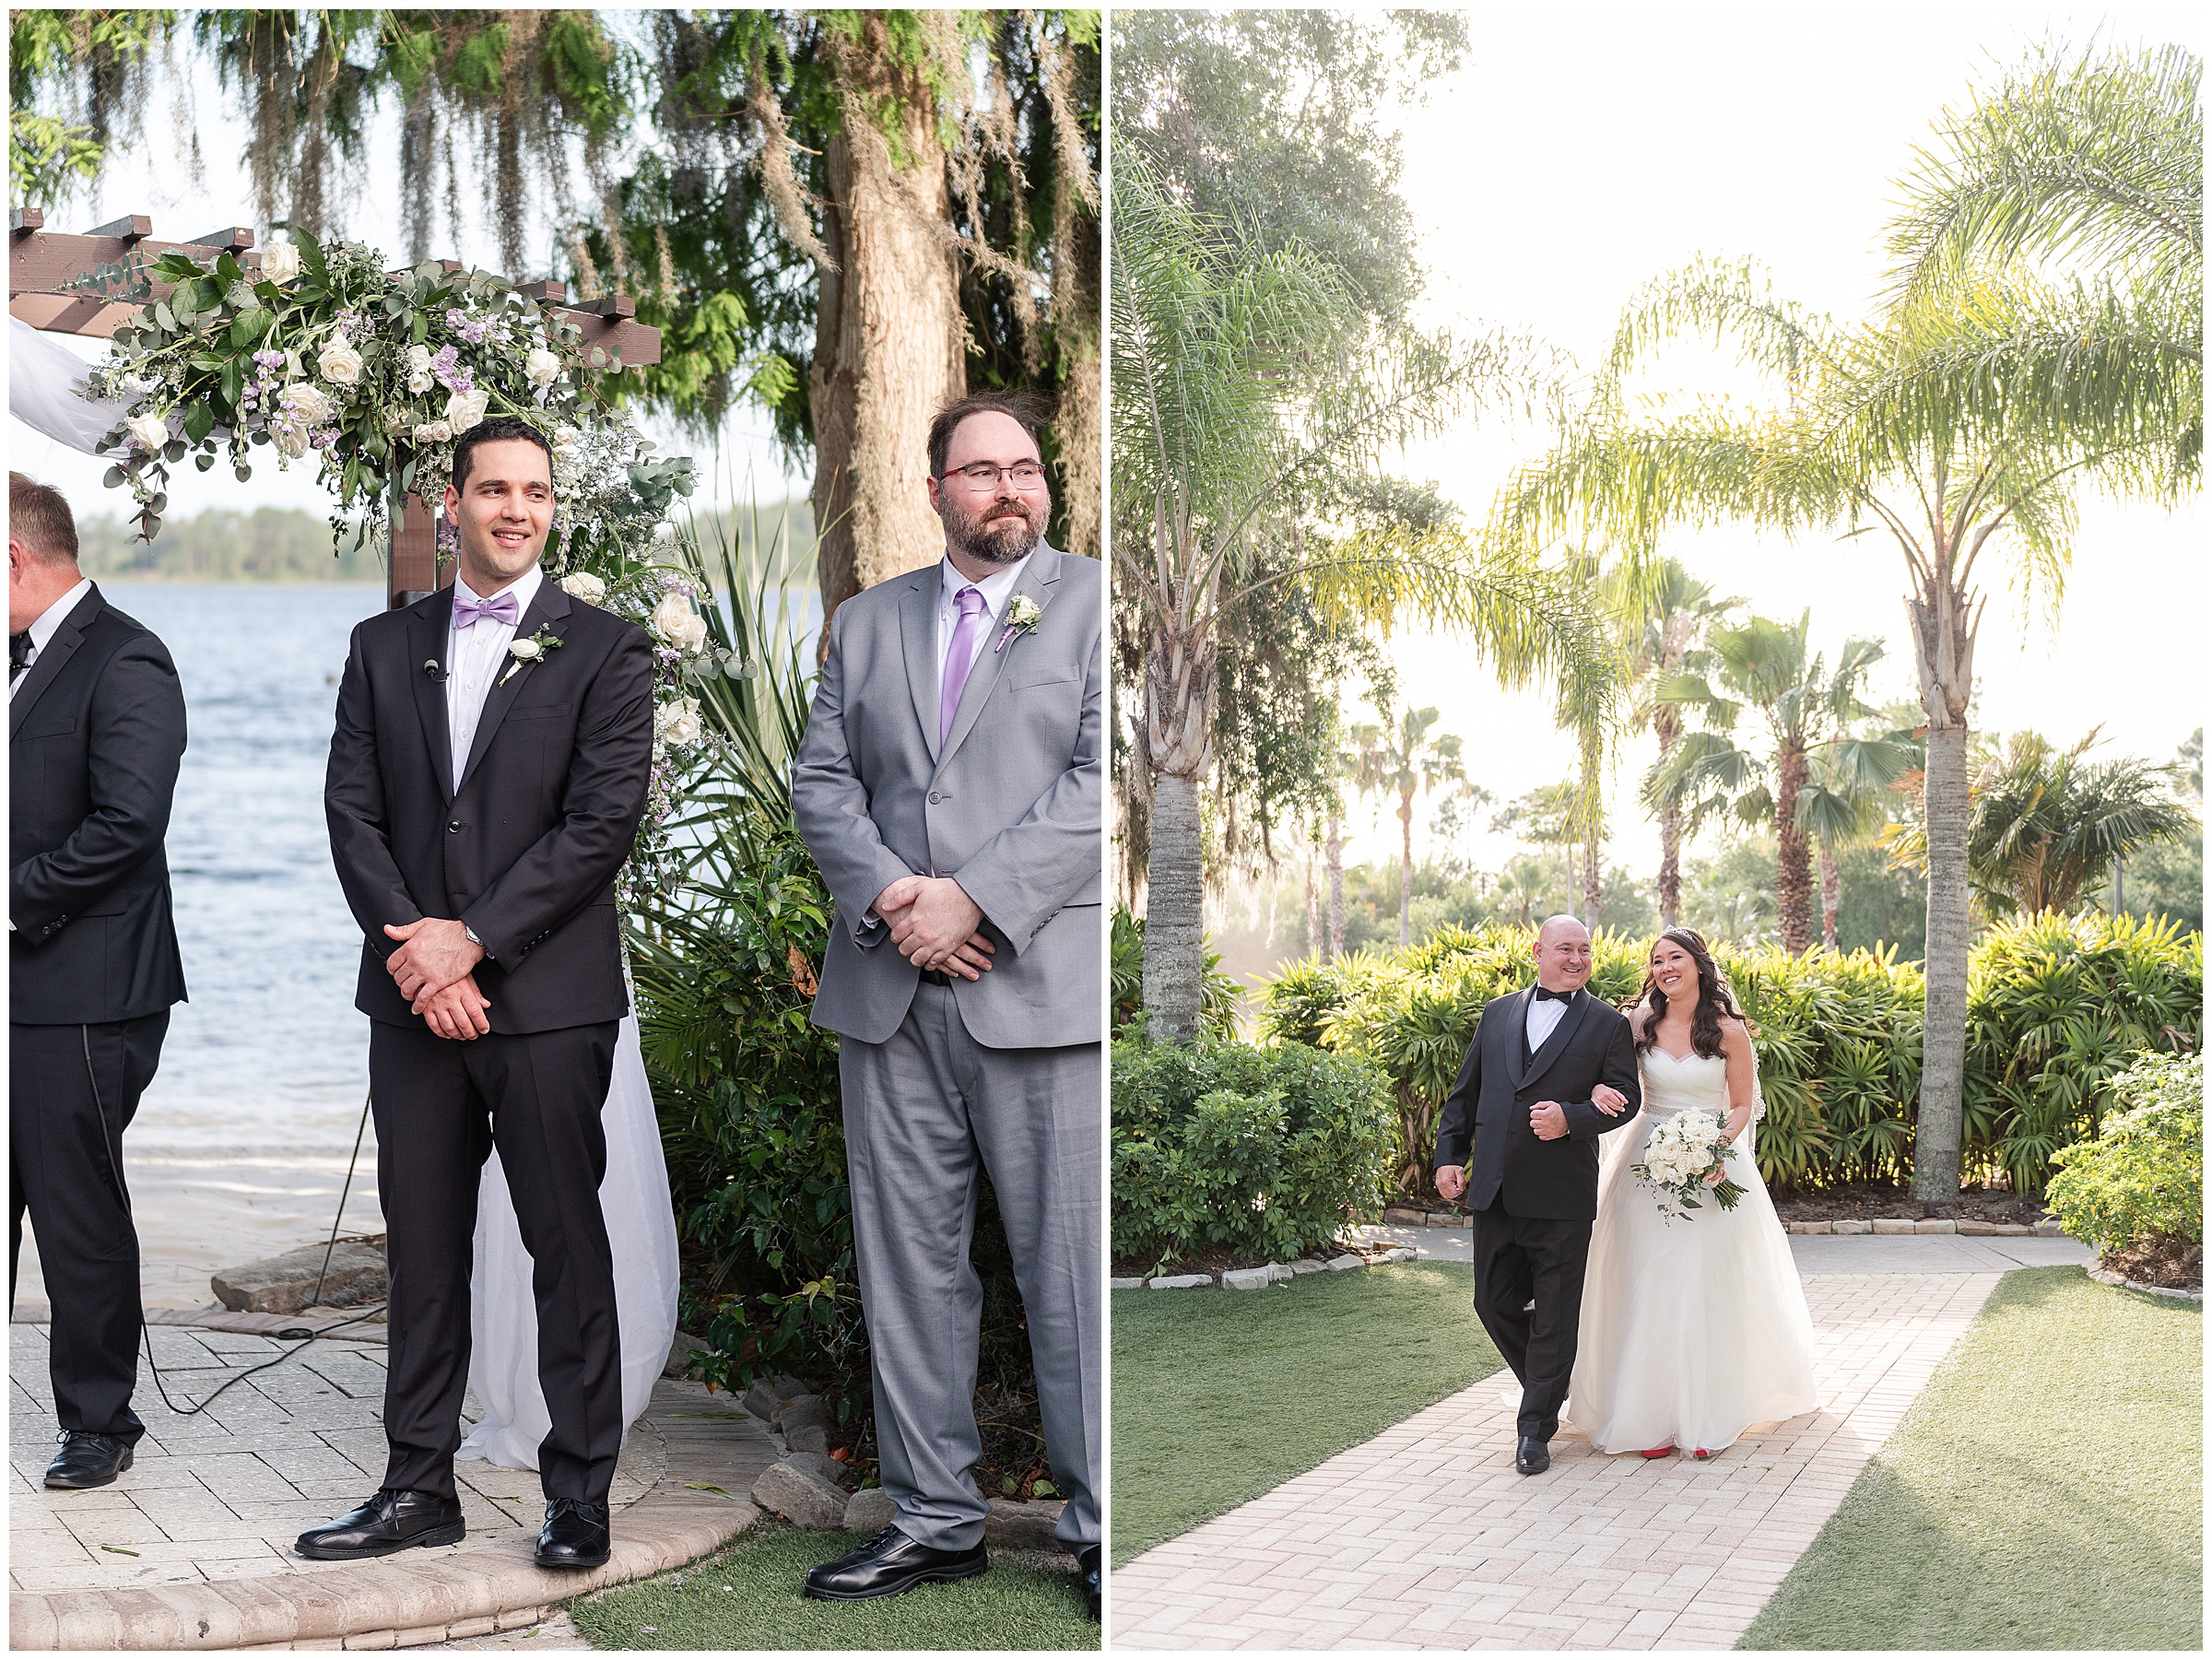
1425 1537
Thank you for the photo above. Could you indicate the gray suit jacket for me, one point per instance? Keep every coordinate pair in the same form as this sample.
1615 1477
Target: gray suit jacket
1013 807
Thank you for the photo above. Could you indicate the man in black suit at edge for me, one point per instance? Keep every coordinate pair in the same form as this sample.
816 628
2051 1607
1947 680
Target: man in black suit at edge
95 730
483 793
1519 1138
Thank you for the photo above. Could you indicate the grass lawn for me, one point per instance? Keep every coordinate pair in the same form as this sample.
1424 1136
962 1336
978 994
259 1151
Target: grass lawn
748 1598
2044 1492
1220 1395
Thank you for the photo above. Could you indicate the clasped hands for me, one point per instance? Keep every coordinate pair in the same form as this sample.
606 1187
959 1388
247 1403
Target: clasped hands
434 968
936 925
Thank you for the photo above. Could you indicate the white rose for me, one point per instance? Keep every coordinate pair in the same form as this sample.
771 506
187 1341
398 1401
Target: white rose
291 442
151 430
280 261
419 376
527 649
465 409
339 364
675 621
433 432
583 585
542 368
306 403
677 723
130 385
566 438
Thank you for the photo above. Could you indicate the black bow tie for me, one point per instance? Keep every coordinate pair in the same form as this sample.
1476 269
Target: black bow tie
1546 996
19 654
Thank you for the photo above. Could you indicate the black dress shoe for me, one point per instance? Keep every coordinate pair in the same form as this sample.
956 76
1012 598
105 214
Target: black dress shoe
1532 1457
889 1564
575 1536
1087 1559
90 1459
393 1519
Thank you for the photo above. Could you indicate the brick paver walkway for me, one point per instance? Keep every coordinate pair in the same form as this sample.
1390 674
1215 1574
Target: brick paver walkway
1426 1538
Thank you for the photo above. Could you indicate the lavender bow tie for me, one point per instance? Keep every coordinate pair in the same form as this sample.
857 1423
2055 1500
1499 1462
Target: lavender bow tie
501 606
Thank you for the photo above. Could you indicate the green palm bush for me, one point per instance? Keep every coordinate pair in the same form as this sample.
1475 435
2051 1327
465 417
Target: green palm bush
2142 1181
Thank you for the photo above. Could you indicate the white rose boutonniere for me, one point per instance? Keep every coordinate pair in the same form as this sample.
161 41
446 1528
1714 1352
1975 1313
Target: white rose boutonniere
280 263
583 585
465 409
339 364
675 621
529 648
1022 615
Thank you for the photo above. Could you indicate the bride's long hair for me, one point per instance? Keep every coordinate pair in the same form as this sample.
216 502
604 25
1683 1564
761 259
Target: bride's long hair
1716 999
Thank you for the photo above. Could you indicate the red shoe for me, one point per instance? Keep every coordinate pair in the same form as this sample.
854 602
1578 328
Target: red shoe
1701 1453
1662 1452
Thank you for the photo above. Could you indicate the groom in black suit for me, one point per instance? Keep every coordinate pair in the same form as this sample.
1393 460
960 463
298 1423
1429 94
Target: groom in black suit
95 733
487 777
1519 1138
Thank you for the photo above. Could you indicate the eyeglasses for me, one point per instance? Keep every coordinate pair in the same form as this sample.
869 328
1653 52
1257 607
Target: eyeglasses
985 475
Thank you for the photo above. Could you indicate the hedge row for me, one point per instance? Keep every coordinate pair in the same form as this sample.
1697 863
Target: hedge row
2057 1007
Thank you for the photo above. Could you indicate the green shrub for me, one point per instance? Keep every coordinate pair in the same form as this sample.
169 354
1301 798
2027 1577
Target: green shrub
2057 1008
1267 1151
2143 1179
1217 997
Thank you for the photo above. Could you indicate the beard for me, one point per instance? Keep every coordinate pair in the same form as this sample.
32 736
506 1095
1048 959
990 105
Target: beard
973 535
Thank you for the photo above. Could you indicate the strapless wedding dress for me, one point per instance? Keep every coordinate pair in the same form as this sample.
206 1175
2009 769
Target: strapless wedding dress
1693 1329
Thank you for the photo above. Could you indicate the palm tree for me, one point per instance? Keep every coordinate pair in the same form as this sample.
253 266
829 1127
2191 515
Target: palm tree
1846 802
1238 374
1766 666
2049 825
1403 764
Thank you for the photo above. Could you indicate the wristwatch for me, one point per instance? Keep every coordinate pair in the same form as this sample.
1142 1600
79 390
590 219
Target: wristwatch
476 942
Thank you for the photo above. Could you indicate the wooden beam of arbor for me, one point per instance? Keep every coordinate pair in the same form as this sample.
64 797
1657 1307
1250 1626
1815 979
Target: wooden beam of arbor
43 265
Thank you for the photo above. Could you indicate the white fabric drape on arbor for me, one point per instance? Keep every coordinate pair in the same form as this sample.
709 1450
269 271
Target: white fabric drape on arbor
46 384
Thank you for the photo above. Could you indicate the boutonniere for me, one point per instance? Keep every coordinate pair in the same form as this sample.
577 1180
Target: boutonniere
1022 615
528 649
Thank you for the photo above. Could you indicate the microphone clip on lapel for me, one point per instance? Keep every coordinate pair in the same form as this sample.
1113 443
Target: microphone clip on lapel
430 668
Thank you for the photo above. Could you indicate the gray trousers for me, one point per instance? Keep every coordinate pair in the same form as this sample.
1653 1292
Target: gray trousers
924 1111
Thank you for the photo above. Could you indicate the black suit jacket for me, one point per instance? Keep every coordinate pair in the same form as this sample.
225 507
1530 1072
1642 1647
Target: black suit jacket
1485 1122
525 853
95 732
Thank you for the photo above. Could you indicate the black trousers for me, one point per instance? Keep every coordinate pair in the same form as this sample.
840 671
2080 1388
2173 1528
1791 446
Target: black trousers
1516 1259
440 1107
72 1091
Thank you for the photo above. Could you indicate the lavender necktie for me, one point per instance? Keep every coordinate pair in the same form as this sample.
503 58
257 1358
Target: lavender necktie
959 659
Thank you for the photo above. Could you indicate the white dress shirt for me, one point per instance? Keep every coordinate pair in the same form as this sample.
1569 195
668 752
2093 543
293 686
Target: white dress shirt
996 589
1544 1017
475 658
48 625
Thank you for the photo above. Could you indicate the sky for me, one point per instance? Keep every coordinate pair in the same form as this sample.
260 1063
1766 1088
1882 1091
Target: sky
1580 150
154 178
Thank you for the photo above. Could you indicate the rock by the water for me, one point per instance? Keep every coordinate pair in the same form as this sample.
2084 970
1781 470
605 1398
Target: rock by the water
800 1496
282 1285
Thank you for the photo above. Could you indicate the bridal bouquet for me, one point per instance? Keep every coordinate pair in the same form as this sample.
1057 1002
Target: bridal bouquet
1683 1151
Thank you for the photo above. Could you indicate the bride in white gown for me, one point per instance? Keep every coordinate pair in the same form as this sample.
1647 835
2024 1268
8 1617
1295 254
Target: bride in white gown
1692 1329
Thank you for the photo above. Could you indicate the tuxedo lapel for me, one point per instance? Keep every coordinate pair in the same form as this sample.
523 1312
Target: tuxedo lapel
428 630
55 658
1038 580
549 609
1516 1061
918 637
1561 1035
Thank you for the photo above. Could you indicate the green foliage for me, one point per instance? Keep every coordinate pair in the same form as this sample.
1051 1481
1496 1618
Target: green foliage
2056 1011
1267 1151
221 545
45 157
1220 994
2143 1179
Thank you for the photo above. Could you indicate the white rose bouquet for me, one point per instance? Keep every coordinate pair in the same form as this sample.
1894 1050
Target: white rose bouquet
1682 1153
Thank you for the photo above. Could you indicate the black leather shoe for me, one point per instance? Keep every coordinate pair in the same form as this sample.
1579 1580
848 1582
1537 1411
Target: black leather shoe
575 1536
1532 1457
90 1459
888 1565
393 1519
1087 1559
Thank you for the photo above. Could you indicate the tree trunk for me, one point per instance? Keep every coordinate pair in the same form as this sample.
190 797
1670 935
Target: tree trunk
1406 883
1667 724
888 331
1313 923
1593 894
1180 690
1794 872
1831 895
1335 886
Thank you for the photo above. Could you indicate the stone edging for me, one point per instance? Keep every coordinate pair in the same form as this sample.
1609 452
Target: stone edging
2096 1271
1897 1225
1259 1279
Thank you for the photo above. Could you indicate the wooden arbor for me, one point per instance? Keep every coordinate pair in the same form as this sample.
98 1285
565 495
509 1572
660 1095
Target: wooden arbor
90 285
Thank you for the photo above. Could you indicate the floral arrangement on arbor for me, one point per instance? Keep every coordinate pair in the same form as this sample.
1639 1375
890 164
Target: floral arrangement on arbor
324 357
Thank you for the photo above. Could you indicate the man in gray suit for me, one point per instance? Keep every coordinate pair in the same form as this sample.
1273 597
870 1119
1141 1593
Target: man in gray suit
951 786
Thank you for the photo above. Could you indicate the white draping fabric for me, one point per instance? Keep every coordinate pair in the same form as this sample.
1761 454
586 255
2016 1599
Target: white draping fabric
46 383
640 1228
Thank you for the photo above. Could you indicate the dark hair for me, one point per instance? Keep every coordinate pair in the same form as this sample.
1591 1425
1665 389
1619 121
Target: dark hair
1715 1002
495 429
1022 406
39 517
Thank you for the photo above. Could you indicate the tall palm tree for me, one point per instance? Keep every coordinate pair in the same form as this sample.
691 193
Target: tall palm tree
1239 373
1767 667
1403 763
2049 824
1845 804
